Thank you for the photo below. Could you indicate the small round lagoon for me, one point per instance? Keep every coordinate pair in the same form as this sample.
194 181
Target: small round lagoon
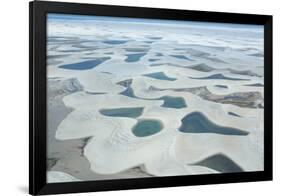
147 127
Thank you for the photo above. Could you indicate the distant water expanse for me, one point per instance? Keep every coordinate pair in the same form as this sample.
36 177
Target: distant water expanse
134 57
84 65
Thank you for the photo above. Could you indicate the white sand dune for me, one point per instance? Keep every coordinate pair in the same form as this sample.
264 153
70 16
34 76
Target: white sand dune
113 141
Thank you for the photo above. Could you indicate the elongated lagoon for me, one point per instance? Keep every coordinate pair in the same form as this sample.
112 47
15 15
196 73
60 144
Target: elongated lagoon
196 122
123 112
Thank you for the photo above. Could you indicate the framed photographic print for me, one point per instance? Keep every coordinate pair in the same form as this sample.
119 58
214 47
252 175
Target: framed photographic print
130 97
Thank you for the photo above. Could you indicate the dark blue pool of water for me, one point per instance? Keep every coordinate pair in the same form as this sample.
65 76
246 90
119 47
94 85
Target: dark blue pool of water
196 122
155 38
129 92
202 67
156 64
84 65
159 76
217 77
233 114
181 57
221 163
173 102
159 54
221 86
136 49
95 93
134 57
147 127
169 101
255 85
114 42
152 60
123 112
109 53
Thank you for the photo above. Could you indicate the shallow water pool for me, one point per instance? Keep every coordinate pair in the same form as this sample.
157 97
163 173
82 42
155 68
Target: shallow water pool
147 127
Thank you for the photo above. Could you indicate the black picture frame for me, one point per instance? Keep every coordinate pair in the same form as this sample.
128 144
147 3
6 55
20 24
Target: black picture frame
37 100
